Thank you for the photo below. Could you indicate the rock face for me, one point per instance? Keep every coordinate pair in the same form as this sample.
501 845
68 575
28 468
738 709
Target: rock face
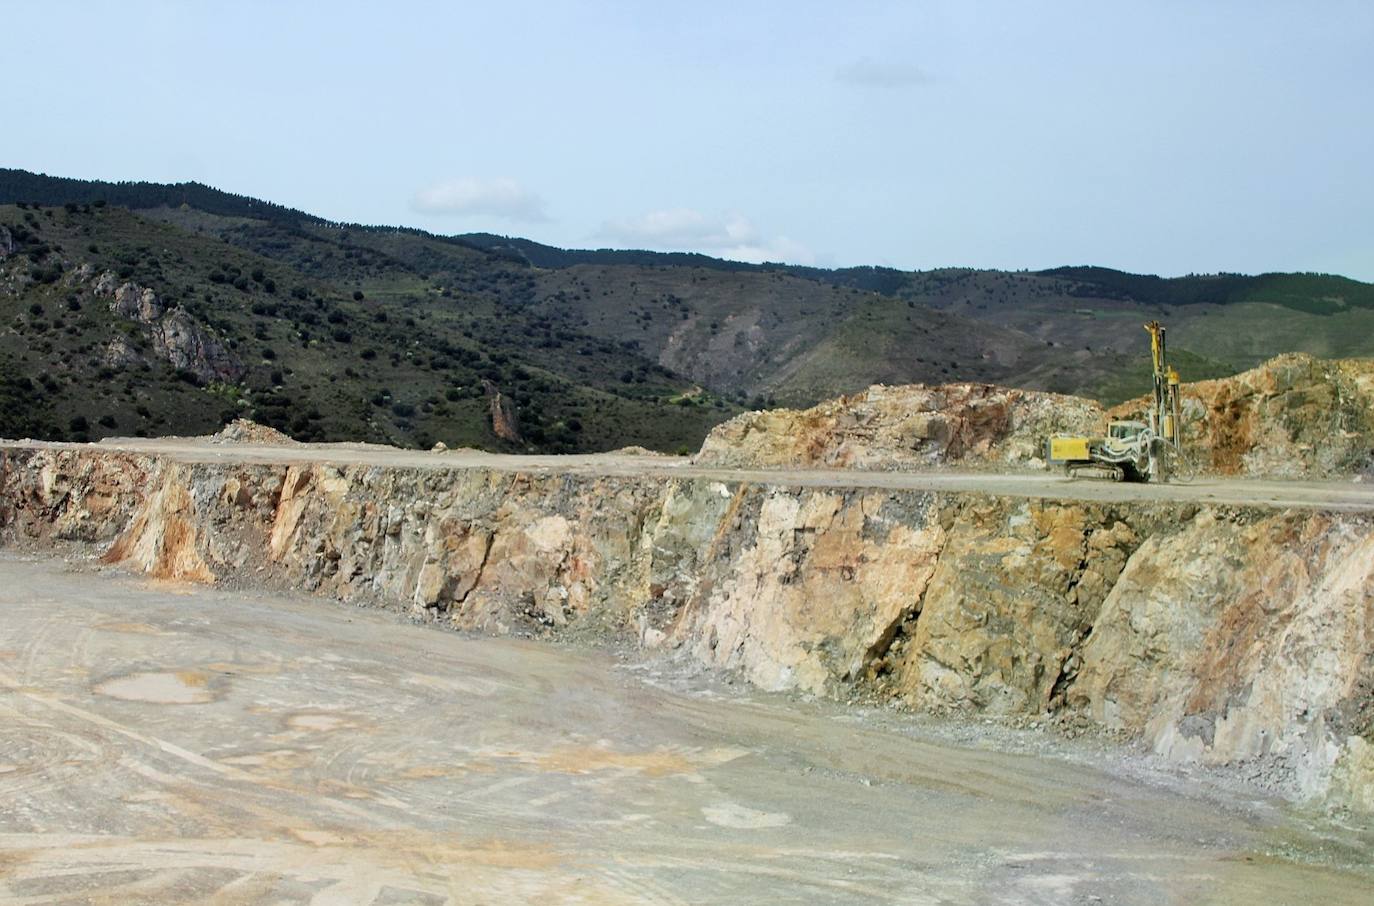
6 243
904 428
1293 417
1216 634
120 353
504 423
174 335
136 303
179 338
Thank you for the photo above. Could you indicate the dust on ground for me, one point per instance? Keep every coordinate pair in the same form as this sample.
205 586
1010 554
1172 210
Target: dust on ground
340 756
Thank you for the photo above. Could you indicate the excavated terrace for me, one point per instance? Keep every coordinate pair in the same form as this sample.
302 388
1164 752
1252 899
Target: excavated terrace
1222 623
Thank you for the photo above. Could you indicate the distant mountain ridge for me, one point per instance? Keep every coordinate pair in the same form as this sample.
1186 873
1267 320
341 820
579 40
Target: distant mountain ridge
394 334
1302 290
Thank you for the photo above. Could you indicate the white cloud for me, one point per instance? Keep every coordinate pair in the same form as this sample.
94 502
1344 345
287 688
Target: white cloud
869 72
469 196
685 229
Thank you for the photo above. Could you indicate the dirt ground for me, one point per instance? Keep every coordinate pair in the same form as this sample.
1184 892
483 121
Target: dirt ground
1349 496
167 744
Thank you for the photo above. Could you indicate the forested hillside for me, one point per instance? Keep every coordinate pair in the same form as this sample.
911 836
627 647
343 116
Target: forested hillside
140 308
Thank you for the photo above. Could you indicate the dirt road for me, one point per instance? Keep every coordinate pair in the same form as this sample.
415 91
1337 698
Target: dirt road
1334 495
164 744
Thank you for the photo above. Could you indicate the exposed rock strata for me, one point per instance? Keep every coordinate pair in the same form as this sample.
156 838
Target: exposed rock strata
903 428
1216 634
1293 417
173 334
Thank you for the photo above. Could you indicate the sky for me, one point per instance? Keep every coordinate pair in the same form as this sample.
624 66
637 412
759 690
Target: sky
1164 137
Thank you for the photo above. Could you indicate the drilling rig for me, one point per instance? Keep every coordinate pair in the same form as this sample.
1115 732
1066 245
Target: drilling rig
1132 450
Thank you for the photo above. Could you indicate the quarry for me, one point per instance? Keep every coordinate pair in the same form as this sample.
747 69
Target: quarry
873 651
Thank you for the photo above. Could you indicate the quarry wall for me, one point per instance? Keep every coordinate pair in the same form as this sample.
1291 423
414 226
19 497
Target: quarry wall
1294 417
1215 634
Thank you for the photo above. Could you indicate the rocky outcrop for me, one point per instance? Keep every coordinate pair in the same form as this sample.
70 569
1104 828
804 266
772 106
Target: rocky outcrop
904 428
1293 417
1217 634
137 303
182 341
120 353
7 246
172 333
504 423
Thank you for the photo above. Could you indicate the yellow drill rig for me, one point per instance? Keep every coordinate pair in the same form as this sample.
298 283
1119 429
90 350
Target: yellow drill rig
1132 450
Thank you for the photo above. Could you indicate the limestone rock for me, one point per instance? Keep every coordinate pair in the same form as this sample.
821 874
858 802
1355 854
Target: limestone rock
183 342
137 303
174 335
903 428
120 353
1216 634
1295 416
105 285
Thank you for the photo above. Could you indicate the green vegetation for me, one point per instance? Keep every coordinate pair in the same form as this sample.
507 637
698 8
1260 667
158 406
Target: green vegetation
1133 378
1320 294
351 332
357 347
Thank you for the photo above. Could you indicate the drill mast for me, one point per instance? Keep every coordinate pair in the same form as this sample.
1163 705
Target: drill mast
1165 420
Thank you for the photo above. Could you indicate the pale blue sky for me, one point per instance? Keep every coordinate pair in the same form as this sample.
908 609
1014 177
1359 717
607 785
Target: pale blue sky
1165 137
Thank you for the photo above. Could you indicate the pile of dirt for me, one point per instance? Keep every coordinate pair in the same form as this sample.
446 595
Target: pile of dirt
636 450
246 431
905 427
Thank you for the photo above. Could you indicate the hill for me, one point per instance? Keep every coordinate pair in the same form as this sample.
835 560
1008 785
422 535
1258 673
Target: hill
114 323
336 331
